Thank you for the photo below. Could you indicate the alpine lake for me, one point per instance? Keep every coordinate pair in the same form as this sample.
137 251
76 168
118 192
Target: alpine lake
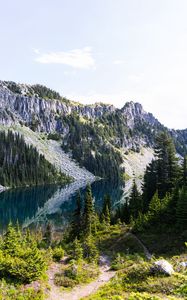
35 206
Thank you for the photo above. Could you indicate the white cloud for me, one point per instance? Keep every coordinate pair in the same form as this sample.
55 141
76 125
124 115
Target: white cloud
119 62
77 58
36 50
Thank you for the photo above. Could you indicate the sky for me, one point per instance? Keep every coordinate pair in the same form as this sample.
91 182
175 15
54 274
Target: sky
110 51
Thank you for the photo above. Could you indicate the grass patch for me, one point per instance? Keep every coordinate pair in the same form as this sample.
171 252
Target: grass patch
76 273
135 281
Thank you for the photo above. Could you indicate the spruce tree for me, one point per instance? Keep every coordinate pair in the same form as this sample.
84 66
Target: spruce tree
167 169
106 211
76 222
48 234
149 186
135 201
184 169
181 213
90 250
88 211
77 250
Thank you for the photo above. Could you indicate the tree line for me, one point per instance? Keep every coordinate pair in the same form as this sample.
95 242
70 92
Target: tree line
22 165
163 201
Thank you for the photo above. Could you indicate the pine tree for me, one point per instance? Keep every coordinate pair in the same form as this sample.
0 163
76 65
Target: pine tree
135 201
155 205
167 169
184 169
76 222
106 211
181 213
149 186
88 211
107 216
48 234
106 202
90 249
77 250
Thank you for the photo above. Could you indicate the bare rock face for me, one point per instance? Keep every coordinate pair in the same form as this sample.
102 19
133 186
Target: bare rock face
44 114
135 112
20 104
162 266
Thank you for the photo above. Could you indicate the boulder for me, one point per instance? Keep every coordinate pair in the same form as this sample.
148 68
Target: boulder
183 264
162 266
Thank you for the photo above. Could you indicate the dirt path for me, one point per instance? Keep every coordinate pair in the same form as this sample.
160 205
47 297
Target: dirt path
82 290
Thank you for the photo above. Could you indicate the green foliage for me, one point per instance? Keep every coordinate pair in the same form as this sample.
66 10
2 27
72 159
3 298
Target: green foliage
76 273
54 136
58 253
88 212
167 169
76 224
25 167
87 141
77 250
106 210
44 92
135 201
90 250
48 234
143 296
181 212
11 292
118 262
20 259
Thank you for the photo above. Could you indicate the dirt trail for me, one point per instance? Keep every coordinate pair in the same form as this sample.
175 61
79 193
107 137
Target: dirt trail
83 290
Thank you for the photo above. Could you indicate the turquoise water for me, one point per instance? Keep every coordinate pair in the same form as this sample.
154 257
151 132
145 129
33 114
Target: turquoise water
36 205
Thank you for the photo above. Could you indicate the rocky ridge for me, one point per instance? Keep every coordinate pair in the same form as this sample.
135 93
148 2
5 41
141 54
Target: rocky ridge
21 105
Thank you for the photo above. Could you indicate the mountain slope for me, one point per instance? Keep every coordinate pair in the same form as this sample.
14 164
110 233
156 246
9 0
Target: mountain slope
99 137
25 167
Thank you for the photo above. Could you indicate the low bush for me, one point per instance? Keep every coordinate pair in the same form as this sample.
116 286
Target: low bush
58 253
20 259
76 274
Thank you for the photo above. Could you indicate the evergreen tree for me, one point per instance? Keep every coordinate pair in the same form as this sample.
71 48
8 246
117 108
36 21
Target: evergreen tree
90 249
20 258
77 250
155 205
106 211
76 222
135 201
48 234
167 169
184 169
106 203
149 184
25 167
125 213
181 213
88 211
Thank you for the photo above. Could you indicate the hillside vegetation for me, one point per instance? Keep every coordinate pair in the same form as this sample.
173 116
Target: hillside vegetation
22 165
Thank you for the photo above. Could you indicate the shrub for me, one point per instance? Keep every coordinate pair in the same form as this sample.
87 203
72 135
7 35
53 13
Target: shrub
58 253
20 259
142 296
76 274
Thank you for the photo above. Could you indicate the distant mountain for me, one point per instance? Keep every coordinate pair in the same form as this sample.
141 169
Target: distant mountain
103 139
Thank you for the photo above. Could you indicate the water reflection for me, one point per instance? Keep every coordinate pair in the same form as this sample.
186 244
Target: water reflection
36 205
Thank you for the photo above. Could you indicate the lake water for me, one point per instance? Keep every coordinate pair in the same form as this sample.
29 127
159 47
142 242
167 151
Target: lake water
36 205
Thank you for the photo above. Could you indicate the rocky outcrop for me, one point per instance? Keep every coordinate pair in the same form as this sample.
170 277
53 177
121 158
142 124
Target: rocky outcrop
135 112
19 104
44 115
162 266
